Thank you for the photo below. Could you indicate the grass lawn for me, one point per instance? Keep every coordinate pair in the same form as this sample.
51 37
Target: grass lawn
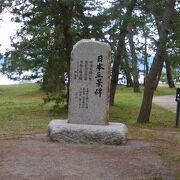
127 106
23 111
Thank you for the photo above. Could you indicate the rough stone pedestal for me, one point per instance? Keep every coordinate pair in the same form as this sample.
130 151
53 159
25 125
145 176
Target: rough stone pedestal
64 132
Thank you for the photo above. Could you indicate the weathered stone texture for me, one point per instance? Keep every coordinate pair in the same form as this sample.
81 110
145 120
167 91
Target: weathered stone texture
89 83
63 132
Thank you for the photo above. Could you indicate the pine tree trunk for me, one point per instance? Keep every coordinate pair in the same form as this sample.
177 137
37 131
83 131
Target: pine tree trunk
135 72
127 74
119 52
44 81
146 65
125 66
158 77
168 70
145 110
127 70
169 75
68 40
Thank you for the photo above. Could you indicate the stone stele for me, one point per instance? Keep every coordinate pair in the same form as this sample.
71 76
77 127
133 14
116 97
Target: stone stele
89 83
89 99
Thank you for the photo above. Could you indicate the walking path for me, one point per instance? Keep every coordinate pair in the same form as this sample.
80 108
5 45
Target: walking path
167 102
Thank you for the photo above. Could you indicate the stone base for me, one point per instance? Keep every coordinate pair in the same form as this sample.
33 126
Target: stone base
64 132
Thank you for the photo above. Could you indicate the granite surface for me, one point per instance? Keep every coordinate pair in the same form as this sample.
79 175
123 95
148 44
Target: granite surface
64 132
89 83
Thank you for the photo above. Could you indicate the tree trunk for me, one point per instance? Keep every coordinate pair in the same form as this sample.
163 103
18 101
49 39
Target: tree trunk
145 110
127 74
168 70
158 25
127 69
125 66
119 52
68 40
146 65
135 72
169 75
158 77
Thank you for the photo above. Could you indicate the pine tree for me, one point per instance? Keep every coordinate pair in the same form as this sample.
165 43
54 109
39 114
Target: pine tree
43 45
157 63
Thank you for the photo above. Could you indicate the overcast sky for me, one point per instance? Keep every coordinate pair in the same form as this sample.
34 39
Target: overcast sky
7 29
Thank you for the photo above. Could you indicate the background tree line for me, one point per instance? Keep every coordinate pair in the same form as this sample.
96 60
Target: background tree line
135 29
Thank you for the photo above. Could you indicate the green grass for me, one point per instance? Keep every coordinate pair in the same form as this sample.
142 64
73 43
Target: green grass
127 106
141 133
23 111
164 90
171 159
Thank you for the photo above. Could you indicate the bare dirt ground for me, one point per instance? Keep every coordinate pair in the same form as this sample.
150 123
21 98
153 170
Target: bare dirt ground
34 157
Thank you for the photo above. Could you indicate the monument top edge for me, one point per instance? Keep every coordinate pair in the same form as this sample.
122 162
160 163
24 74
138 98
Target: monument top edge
82 41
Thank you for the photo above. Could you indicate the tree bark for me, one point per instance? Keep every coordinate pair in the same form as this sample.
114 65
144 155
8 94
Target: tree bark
158 76
68 39
119 51
158 25
168 69
145 110
146 65
169 75
135 72
127 69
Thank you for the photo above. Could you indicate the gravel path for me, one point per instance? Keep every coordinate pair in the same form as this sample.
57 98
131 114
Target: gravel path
167 102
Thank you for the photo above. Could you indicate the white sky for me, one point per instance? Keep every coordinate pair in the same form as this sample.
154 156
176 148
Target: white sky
7 29
4 80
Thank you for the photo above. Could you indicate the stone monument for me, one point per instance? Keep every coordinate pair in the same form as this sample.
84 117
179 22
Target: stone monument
88 117
89 83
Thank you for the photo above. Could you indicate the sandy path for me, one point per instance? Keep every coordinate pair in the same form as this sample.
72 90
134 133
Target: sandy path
167 102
